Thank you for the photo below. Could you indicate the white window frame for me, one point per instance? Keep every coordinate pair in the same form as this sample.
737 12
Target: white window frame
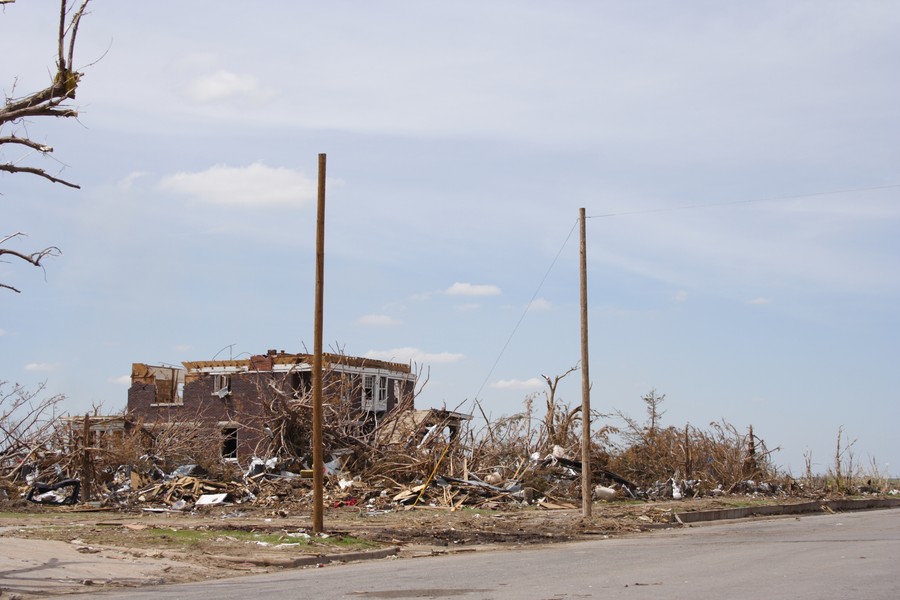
221 384
228 437
381 401
367 400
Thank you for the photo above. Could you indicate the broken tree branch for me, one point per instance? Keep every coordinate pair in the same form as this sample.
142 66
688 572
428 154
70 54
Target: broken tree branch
9 168
33 258
50 101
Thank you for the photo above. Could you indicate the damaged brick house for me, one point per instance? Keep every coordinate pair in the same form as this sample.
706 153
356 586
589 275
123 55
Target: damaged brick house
237 399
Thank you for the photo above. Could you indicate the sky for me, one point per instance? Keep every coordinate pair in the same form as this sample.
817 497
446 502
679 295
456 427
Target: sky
739 165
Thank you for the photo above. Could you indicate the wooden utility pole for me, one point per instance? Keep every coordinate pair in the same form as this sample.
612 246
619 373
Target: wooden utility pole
86 460
318 452
586 486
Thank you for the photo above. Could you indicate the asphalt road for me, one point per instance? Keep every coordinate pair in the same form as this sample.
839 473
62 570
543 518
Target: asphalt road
851 555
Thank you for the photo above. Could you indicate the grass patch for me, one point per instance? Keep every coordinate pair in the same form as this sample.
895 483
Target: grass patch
190 538
16 515
26 515
195 537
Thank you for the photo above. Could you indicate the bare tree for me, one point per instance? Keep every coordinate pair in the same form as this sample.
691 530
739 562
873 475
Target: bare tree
27 418
653 403
52 101
560 419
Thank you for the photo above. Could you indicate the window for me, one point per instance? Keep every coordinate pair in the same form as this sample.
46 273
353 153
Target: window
169 382
368 393
229 443
169 391
345 388
374 394
221 385
381 404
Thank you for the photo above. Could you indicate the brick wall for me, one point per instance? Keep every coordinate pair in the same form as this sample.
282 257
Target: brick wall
245 405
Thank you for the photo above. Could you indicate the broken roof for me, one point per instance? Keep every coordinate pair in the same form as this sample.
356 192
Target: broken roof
412 424
281 358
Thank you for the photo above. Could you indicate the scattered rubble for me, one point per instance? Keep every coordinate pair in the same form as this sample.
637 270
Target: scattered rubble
63 492
428 459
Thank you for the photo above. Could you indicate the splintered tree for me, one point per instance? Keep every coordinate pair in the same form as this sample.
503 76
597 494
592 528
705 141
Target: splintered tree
18 111
721 455
560 420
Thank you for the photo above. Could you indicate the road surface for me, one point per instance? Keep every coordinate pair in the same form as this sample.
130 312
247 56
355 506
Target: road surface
851 555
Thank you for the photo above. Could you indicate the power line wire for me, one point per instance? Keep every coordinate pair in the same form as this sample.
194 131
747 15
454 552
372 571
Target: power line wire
525 312
648 211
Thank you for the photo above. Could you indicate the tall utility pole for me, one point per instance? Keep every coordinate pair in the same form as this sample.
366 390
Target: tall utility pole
86 460
586 487
318 452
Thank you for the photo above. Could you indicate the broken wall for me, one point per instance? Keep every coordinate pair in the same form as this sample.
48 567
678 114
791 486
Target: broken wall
237 401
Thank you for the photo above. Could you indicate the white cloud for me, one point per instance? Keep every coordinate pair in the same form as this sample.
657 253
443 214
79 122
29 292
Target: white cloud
41 367
2 332
759 301
407 355
540 304
128 181
378 320
181 348
253 185
122 380
469 289
680 296
222 85
517 384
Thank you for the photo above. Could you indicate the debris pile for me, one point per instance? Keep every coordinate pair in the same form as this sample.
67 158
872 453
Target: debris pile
428 459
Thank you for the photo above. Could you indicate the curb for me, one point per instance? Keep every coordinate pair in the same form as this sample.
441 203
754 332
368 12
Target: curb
310 560
783 509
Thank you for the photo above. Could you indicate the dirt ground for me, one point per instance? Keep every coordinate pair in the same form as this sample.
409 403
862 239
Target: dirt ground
141 547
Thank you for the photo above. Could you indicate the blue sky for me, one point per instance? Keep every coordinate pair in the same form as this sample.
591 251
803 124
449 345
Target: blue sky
462 138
